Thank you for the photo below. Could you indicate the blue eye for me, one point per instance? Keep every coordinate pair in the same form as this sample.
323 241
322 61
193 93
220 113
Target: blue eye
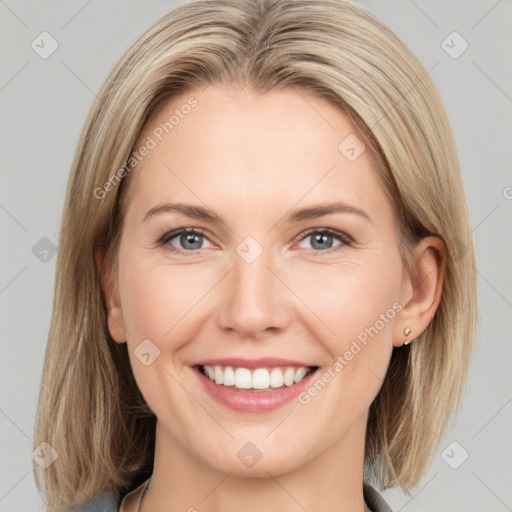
322 240
191 240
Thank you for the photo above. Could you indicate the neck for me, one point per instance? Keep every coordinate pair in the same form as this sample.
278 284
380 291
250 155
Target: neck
331 481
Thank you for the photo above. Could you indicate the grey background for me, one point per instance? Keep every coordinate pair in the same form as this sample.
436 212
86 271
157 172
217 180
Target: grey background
44 103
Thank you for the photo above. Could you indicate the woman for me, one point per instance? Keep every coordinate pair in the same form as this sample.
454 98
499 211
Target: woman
303 152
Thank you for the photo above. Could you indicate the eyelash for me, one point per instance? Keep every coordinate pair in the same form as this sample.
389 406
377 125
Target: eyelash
345 240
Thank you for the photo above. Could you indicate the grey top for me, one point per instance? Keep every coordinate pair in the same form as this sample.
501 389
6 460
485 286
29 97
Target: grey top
108 502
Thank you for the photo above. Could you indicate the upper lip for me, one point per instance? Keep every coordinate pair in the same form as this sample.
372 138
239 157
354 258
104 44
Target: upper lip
240 362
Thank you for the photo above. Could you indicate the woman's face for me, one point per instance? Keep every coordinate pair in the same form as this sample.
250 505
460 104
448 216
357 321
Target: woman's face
263 273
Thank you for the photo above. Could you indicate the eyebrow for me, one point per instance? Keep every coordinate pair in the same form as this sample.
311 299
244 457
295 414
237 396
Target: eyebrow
198 212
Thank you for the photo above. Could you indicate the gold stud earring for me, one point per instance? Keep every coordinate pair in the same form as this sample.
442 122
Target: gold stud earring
407 332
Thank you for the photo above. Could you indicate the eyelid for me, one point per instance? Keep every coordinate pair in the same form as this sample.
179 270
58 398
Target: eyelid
169 235
345 239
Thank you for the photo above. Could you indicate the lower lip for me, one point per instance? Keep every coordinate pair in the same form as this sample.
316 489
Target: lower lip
253 401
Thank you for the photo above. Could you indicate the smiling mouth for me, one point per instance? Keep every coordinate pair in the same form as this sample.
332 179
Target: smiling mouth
256 379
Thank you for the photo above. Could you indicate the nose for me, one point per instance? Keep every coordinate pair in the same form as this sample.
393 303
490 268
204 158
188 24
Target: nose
254 299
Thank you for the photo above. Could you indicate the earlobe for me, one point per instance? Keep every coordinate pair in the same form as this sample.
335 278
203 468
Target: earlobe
115 317
421 292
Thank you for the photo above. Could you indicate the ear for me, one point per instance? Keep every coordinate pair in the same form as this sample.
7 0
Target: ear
421 292
115 319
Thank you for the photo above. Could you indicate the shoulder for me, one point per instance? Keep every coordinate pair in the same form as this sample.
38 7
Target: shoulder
374 499
105 502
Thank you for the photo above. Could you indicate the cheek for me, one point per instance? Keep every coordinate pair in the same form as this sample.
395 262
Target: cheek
160 302
355 305
143 304
348 297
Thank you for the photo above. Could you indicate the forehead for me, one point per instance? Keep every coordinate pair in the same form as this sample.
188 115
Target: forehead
229 146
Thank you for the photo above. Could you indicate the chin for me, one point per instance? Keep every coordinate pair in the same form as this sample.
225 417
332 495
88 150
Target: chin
255 460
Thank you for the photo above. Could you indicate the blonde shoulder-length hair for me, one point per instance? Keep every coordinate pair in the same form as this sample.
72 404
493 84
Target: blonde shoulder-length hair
90 409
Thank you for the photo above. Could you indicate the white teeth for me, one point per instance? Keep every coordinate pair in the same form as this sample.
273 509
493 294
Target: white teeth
288 376
300 374
260 378
217 372
276 378
242 378
229 377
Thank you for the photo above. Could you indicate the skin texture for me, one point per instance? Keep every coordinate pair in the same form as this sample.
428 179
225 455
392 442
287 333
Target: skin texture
251 160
